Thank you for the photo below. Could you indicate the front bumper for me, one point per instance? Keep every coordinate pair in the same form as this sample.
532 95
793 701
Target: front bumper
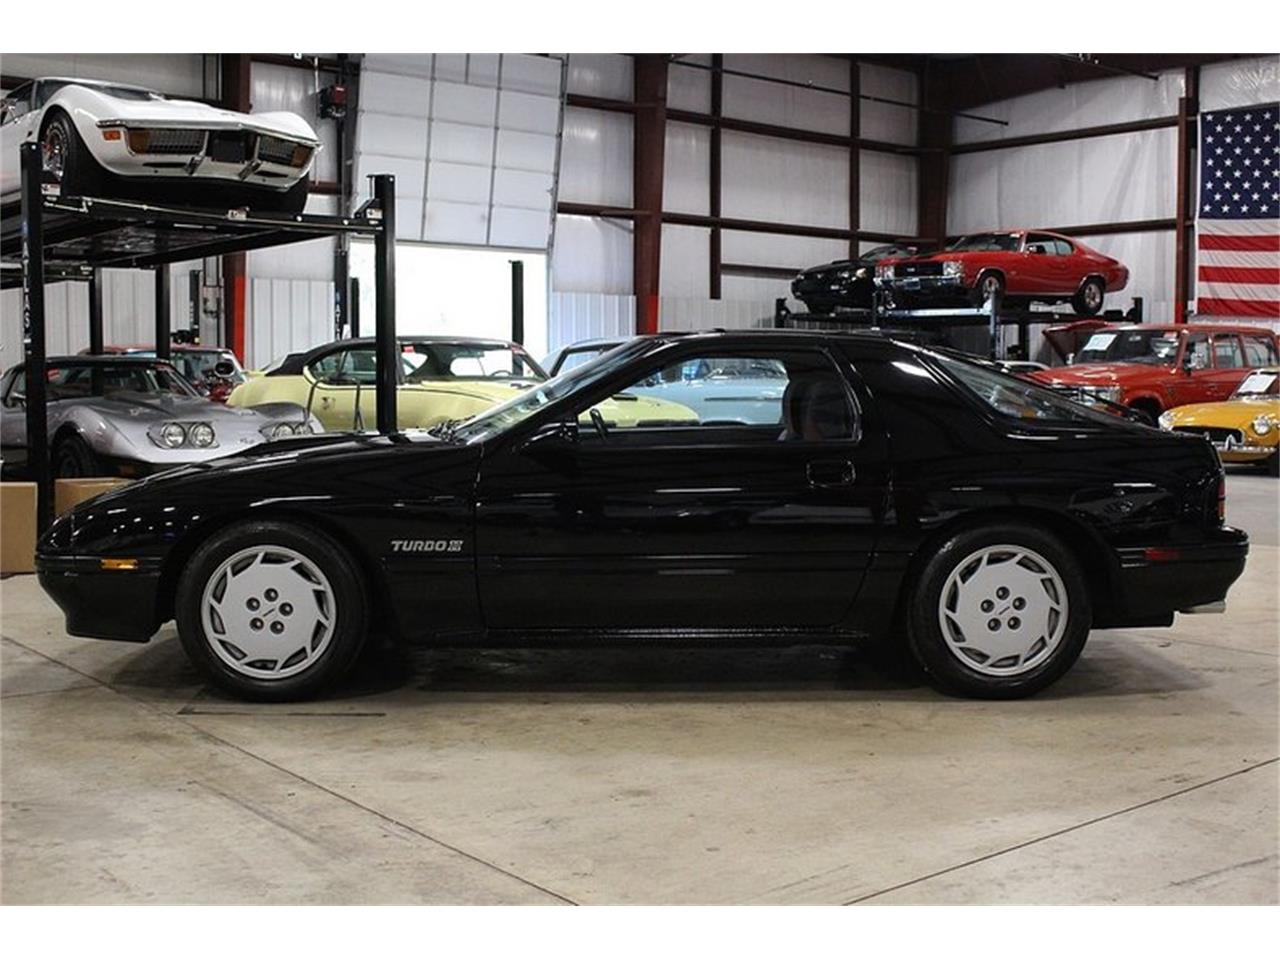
1155 583
1243 452
103 604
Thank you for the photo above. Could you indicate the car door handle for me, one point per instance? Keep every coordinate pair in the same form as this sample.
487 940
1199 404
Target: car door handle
830 473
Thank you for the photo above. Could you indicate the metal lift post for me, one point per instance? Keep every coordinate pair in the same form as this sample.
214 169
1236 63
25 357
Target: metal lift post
388 353
517 301
95 312
164 326
32 167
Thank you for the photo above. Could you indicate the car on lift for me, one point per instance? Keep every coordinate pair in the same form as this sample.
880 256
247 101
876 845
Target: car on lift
1018 266
132 416
213 371
892 494
1244 428
441 379
845 284
1154 367
124 142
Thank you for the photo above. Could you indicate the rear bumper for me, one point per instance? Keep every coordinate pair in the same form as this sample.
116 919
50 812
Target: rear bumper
103 604
1156 583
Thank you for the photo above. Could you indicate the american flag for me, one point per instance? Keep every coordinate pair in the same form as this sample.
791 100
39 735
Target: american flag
1238 217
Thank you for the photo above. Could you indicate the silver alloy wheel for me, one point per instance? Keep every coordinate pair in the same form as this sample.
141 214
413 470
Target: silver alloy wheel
54 151
990 284
1092 295
268 612
1003 610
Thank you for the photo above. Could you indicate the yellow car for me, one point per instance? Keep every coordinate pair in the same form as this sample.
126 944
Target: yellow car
1245 428
441 379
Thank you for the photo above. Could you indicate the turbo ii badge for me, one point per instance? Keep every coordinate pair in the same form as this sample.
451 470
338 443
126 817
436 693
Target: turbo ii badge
426 546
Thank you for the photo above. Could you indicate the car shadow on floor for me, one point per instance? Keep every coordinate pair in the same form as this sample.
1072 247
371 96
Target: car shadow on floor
1110 667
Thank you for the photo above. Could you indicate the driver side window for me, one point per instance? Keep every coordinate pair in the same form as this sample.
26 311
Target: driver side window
1198 352
764 397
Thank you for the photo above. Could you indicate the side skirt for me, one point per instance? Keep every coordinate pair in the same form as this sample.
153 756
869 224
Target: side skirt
562 638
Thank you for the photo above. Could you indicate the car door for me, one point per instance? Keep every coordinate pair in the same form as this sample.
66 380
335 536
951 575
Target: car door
1229 365
1193 374
686 524
13 419
337 381
1045 270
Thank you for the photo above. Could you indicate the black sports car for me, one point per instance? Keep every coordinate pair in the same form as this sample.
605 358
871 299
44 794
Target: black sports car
844 284
893 494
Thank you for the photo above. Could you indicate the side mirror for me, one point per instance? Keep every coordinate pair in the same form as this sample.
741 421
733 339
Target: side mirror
553 438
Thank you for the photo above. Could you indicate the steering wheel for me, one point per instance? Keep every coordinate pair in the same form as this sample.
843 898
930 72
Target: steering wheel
597 421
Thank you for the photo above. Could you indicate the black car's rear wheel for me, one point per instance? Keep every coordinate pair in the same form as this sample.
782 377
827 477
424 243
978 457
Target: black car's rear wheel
271 610
999 612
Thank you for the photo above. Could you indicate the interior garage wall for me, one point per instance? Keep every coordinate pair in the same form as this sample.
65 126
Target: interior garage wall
764 178
1125 177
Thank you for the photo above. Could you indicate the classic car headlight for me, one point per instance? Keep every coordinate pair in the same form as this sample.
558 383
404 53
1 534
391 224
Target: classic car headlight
1111 394
952 268
844 274
1166 420
1262 425
202 435
885 271
285 428
171 435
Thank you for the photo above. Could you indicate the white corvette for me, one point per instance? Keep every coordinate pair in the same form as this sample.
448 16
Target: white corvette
112 140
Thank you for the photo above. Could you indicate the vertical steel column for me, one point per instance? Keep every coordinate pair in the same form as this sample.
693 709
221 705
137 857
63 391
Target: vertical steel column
235 69
164 325
934 126
1188 110
95 311
648 157
714 177
517 301
855 156
32 170
388 373
353 312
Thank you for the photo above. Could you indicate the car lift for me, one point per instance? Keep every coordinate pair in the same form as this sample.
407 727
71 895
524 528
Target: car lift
51 238
992 314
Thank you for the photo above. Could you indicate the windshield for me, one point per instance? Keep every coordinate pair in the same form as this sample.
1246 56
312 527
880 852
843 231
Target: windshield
1260 383
1013 397
518 409
885 252
109 379
428 360
987 241
1156 347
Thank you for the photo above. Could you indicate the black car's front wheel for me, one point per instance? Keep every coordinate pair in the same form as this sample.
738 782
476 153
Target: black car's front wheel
999 612
271 610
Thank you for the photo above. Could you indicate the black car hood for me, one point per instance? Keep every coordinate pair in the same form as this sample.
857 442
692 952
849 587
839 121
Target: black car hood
833 265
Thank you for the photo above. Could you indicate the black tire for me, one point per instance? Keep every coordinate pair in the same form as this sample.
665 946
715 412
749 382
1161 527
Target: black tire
988 284
953 673
72 457
1088 299
1149 409
77 173
346 601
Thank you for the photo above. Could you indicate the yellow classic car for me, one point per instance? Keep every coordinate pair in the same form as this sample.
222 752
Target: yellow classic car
1244 428
441 379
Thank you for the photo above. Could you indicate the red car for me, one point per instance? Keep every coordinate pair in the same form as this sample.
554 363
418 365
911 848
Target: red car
1154 367
214 371
1021 265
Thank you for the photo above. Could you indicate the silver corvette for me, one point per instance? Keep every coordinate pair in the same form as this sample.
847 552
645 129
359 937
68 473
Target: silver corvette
131 416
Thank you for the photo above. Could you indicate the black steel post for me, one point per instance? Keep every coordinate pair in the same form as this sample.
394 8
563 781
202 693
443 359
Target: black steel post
517 301
164 328
32 169
384 191
353 308
195 280
95 311
341 286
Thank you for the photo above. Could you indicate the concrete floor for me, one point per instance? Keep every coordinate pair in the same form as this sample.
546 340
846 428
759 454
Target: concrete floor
1149 775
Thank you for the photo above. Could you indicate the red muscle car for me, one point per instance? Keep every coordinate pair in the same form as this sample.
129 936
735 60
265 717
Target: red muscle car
1154 367
1021 265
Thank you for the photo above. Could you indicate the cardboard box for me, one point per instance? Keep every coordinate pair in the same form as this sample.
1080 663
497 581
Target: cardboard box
17 528
69 492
